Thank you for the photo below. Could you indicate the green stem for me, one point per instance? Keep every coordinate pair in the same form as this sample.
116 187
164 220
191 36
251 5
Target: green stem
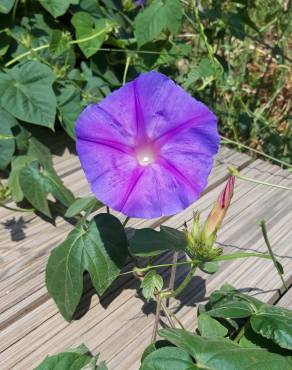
262 182
46 46
171 316
225 257
156 321
16 209
256 151
182 286
128 60
241 332
14 11
265 235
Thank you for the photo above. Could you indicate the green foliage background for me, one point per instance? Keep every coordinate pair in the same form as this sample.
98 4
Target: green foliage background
57 56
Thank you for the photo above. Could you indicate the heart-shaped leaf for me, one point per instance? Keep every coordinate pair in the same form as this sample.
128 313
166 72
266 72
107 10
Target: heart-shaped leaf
26 93
91 32
274 323
100 249
219 354
56 7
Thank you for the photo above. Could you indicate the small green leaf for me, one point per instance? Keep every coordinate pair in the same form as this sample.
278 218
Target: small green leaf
7 145
148 242
17 164
82 204
33 187
91 32
158 16
100 249
56 7
71 359
210 267
6 6
151 283
209 327
27 93
274 323
168 358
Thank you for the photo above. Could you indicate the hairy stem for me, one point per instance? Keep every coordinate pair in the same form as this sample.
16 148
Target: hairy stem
182 286
156 321
172 274
265 235
171 316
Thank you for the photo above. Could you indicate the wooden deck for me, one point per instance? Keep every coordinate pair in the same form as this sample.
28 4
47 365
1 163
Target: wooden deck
119 326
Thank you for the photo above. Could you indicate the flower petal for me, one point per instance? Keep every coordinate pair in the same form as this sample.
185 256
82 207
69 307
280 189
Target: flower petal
166 107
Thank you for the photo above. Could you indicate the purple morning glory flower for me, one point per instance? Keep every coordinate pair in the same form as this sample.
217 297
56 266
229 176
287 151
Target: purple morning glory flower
140 2
147 148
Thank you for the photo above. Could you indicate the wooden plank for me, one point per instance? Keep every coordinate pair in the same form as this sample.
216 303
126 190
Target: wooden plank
286 300
25 286
126 311
31 253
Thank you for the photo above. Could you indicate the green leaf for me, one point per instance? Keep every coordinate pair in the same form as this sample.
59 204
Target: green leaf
148 242
209 327
36 184
168 358
59 43
223 354
250 339
82 204
75 359
151 283
153 347
40 152
6 6
33 187
158 16
27 93
4 43
17 164
54 185
229 310
91 32
7 145
101 249
69 106
274 323
209 267
56 7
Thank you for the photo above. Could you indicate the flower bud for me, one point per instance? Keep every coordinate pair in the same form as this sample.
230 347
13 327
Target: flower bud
216 216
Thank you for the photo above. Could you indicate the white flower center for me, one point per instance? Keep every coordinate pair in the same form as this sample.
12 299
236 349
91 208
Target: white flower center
145 156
